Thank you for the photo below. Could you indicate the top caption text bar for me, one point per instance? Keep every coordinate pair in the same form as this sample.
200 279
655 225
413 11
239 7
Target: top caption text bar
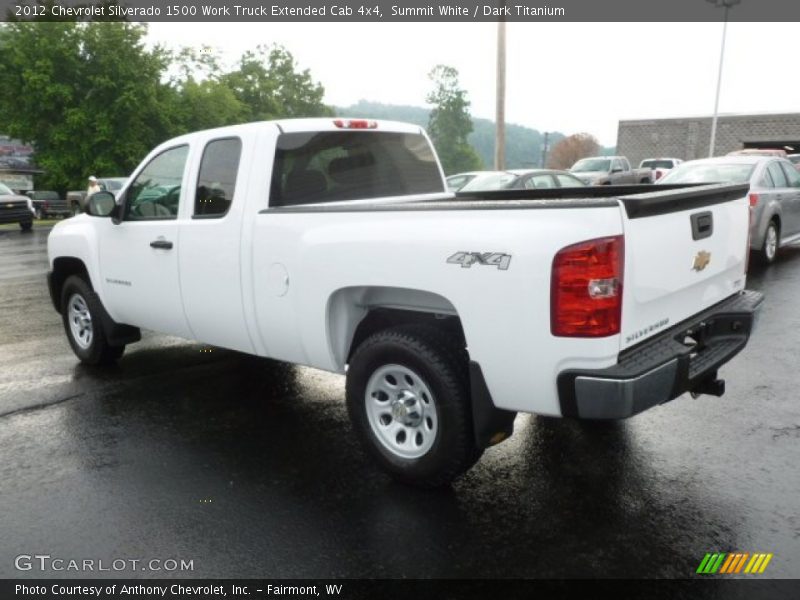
464 11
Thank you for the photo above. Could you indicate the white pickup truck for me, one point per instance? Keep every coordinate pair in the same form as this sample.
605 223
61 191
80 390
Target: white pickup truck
333 244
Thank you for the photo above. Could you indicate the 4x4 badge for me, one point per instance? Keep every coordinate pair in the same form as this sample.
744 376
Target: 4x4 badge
493 259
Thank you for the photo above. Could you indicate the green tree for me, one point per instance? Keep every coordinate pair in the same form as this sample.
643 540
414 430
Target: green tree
202 100
269 85
88 96
450 123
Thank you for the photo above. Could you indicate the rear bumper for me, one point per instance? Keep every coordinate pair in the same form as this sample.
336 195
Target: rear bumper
663 368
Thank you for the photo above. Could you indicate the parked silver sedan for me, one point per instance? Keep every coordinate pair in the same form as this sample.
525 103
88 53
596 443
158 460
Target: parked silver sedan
774 195
522 179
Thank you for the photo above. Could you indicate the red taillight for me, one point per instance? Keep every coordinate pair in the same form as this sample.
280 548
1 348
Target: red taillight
586 288
355 124
753 199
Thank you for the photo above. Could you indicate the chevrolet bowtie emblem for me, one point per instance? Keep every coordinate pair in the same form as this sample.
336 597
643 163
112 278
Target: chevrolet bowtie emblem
701 260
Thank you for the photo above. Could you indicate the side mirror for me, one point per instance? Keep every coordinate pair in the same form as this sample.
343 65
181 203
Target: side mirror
101 204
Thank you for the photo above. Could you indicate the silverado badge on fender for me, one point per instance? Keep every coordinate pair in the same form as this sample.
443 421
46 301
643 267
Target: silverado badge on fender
467 259
701 260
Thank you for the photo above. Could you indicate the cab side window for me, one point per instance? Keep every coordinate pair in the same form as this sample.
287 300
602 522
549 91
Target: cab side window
156 191
216 181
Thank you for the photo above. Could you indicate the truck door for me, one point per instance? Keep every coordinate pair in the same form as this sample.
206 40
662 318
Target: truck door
139 255
211 241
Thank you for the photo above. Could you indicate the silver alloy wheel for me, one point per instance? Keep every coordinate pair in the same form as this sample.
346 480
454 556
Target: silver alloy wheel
401 411
80 321
771 243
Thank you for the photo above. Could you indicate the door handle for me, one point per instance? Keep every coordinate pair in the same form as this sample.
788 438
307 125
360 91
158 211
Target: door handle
161 244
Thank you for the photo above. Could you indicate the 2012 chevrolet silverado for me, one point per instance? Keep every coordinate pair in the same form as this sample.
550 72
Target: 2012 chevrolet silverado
333 243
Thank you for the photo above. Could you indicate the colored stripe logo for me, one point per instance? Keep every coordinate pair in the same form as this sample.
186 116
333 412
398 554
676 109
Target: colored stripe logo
734 562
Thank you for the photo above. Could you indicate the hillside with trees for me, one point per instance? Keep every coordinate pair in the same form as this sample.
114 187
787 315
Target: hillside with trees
523 144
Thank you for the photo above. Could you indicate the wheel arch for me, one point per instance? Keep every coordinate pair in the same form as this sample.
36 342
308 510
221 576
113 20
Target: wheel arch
355 313
64 267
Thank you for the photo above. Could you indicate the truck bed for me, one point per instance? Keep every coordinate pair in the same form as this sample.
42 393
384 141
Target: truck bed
640 200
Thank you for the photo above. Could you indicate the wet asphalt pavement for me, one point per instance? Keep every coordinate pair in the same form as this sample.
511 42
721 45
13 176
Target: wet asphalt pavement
249 467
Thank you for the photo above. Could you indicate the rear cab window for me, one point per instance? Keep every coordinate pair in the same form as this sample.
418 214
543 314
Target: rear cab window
318 167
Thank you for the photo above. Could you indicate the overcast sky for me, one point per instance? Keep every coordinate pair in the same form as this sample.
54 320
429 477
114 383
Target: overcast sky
567 77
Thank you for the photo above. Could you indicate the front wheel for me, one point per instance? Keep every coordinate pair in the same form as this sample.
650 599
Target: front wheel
408 398
81 314
26 225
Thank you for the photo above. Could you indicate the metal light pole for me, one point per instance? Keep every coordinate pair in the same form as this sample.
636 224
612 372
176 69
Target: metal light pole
500 102
727 4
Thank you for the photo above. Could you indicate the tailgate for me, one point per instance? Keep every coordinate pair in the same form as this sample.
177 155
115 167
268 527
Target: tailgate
685 250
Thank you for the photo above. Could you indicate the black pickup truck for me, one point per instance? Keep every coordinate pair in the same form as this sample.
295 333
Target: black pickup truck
15 208
48 204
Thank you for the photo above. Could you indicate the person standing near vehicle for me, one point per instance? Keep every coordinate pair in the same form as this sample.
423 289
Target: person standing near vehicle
94 187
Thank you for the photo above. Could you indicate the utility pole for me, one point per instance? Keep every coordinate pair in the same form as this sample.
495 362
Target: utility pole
500 103
545 148
727 4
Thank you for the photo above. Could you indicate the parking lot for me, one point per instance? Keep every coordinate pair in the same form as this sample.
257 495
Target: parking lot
249 467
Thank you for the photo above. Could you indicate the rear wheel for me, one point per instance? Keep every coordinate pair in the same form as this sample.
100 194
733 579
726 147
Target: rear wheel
81 315
408 398
769 250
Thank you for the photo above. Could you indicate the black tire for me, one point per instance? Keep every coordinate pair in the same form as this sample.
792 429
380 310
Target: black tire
442 367
97 351
26 225
766 255
75 209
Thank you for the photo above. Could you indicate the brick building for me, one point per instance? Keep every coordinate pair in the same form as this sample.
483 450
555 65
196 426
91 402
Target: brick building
689 137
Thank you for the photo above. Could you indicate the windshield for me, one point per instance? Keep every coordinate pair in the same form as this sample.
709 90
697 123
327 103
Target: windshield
493 181
656 164
5 190
709 173
591 164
